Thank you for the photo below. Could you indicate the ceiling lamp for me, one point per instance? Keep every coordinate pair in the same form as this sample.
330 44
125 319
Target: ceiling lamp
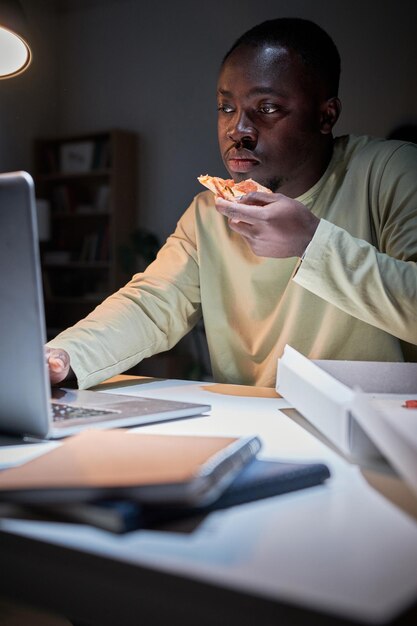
15 53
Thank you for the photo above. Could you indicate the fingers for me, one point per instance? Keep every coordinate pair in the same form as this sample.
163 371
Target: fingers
237 212
259 198
248 208
242 228
58 363
275 227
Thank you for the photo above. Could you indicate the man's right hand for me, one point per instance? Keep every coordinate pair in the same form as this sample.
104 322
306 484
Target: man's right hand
273 225
58 362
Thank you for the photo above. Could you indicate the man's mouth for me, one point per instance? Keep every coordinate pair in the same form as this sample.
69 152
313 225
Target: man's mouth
241 163
241 166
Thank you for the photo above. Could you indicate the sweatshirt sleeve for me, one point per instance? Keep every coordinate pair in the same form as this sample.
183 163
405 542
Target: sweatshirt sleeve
374 283
148 315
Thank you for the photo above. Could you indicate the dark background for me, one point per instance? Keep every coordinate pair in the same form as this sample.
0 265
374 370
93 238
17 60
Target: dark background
151 67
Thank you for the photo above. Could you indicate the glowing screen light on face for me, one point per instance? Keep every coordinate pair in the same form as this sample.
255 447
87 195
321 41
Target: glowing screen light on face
15 55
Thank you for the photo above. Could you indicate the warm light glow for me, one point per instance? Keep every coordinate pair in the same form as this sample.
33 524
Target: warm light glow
15 55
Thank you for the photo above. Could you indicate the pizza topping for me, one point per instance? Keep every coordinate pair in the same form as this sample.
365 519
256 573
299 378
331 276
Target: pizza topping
228 189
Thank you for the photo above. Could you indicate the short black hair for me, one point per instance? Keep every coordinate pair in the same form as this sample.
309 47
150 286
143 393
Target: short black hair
314 46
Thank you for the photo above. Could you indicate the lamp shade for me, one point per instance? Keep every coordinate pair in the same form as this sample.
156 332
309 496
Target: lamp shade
15 53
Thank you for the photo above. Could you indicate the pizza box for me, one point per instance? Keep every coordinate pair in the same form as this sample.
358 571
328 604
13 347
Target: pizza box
328 394
391 423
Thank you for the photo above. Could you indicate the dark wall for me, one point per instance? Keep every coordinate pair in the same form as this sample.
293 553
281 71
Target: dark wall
152 67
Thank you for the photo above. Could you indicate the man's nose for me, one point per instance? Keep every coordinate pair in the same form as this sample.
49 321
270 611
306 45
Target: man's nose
241 129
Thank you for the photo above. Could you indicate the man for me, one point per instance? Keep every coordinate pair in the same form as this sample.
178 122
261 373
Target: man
327 263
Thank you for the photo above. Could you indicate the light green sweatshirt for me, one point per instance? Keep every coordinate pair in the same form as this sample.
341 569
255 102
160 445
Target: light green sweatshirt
354 295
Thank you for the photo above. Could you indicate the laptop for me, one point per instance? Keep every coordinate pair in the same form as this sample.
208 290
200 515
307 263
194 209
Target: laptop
28 407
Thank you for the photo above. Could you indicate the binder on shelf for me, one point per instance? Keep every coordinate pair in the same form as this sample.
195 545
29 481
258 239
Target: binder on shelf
101 199
101 154
50 160
62 199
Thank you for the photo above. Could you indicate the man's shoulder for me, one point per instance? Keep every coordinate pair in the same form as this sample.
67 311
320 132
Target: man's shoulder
199 203
201 212
364 149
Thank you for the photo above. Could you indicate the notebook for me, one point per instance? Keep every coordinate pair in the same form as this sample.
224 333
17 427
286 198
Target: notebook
257 480
149 468
26 404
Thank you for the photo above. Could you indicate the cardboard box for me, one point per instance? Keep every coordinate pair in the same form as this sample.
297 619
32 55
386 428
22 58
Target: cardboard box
325 393
392 425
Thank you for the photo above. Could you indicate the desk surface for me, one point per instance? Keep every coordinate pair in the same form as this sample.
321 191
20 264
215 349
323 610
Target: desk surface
340 550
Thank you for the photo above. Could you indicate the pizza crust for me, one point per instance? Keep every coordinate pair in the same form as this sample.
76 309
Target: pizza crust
228 189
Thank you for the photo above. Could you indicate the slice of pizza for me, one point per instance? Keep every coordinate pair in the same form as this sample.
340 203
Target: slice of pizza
228 189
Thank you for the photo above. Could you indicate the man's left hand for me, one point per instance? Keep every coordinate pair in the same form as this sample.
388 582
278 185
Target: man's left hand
273 225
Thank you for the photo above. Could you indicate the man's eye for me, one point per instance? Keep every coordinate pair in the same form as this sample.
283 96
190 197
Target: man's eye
268 108
224 108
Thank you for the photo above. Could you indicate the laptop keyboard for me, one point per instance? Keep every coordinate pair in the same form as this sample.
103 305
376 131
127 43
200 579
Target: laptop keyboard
62 412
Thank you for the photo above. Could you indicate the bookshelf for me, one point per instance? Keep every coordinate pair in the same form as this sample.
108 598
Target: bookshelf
89 183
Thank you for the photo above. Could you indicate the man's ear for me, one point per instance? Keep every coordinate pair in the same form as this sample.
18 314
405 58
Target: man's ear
330 111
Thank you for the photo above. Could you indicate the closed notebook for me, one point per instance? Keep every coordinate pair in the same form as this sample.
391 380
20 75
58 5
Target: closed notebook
257 480
119 464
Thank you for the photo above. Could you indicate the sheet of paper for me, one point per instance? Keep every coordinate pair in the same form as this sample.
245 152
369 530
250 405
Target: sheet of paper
11 456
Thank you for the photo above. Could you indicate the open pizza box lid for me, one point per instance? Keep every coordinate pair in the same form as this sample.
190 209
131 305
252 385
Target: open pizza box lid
350 402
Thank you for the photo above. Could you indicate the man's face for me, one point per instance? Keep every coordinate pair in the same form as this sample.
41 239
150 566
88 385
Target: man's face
269 115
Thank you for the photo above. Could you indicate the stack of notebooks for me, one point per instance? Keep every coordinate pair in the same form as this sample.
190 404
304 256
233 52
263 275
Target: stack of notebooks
121 481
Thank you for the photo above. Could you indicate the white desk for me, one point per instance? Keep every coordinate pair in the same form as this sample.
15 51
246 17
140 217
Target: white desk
340 551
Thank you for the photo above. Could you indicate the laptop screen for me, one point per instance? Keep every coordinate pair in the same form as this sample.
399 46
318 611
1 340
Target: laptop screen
24 385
